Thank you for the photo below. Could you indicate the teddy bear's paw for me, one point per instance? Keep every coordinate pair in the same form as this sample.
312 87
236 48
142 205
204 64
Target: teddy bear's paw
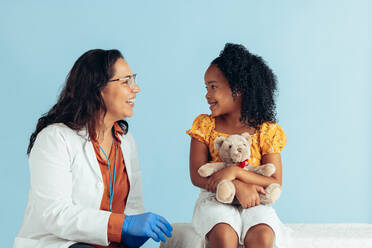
273 192
276 190
264 199
268 169
225 192
205 171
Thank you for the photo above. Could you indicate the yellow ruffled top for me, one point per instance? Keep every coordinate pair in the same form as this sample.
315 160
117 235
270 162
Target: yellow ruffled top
269 138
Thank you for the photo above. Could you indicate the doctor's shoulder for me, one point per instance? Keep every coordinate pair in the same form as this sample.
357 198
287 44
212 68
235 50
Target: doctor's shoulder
58 136
61 131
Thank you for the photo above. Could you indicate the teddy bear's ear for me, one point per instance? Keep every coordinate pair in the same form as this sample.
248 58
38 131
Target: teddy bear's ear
247 136
218 142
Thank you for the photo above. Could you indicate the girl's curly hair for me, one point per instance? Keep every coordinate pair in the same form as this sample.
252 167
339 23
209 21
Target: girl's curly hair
248 75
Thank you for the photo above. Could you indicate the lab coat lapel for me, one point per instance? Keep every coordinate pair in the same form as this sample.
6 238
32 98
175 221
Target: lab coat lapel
125 147
90 154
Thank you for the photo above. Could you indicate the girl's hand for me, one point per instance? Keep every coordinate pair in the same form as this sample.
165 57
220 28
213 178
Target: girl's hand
228 173
247 194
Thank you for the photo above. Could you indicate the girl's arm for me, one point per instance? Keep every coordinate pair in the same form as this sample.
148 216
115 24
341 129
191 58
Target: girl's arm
250 177
235 172
198 157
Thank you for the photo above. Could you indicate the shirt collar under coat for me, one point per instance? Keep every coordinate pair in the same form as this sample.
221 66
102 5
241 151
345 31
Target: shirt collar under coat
116 131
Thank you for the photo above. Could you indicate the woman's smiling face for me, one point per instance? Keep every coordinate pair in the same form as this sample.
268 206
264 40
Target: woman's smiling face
118 95
219 95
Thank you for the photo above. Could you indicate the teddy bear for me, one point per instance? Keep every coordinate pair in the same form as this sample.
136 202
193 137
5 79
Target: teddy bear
235 151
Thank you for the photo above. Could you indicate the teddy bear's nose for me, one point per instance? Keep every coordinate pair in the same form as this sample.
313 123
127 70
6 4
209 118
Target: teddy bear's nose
239 149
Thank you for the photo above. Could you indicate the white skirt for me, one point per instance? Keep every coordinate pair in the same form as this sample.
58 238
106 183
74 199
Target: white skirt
208 212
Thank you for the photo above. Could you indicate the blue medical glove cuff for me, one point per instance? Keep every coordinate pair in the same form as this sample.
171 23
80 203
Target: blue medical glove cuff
126 222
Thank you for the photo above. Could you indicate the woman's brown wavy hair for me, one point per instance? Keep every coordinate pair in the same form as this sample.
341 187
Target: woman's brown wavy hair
80 103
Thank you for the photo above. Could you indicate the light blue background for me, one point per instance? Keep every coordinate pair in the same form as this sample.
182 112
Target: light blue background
321 52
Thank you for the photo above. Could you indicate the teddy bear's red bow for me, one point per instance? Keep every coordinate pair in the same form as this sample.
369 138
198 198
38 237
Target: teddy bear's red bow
243 164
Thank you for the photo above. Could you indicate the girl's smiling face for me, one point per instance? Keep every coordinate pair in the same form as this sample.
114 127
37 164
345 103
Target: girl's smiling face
219 95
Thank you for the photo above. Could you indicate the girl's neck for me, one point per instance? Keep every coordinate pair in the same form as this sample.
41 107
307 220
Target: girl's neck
232 120
230 124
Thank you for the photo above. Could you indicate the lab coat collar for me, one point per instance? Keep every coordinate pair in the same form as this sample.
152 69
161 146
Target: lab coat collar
89 151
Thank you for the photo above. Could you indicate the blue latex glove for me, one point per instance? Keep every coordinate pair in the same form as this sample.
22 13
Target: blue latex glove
133 241
147 225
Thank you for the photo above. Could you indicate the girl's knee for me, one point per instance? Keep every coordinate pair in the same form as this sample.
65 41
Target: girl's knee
260 235
222 233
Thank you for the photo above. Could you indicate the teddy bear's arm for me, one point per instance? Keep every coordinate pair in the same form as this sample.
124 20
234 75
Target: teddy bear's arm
209 168
264 170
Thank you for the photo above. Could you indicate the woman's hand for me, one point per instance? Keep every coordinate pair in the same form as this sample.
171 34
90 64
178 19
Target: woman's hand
247 194
228 173
146 225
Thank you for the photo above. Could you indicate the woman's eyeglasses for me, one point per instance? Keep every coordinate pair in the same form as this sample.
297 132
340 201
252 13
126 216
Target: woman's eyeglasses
130 80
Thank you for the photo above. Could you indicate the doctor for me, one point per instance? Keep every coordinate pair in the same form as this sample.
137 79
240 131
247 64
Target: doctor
85 185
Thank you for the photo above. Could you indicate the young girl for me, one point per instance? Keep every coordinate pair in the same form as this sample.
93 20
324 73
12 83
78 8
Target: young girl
240 92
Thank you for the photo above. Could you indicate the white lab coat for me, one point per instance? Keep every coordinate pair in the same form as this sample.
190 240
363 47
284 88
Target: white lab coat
66 190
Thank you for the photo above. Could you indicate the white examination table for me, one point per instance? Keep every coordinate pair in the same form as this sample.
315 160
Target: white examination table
348 235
